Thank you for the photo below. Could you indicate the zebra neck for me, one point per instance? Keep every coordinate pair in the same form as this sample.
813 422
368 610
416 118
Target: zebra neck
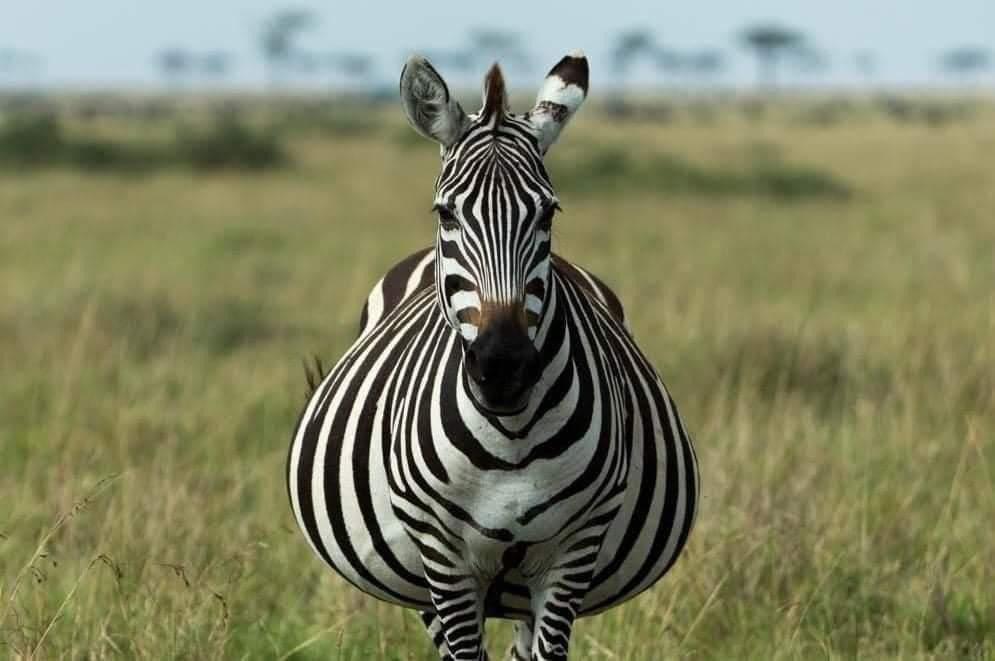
553 322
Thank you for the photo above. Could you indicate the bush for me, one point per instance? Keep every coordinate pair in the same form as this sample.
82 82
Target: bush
230 144
930 112
612 169
228 324
34 139
339 122
38 140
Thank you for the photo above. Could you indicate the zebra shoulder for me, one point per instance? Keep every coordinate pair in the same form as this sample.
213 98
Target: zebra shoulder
593 285
411 274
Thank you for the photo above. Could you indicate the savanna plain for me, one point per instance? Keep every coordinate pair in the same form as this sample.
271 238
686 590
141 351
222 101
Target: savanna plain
813 280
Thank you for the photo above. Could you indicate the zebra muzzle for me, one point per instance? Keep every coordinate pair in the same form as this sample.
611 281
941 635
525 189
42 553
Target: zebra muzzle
503 366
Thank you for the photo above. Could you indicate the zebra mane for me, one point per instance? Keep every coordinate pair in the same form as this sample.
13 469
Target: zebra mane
495 96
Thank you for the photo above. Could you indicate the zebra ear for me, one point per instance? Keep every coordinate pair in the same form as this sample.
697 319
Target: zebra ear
427 103
561 94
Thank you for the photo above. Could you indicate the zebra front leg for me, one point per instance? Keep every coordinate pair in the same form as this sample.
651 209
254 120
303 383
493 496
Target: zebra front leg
560 603
434 626
521 646
560 595
459 617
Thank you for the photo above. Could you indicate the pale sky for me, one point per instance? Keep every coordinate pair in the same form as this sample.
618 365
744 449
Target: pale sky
113 43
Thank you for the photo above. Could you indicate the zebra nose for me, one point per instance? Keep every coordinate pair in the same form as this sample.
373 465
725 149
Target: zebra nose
473 362
503 365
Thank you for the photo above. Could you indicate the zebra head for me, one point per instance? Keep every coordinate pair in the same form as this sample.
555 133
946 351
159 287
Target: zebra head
495 205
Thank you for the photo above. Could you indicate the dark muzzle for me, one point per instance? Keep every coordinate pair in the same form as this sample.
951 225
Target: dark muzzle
503 366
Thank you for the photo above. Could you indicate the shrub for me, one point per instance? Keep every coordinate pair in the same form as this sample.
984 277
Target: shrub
612 169
38 140
31 139
230 144
228 324
339 122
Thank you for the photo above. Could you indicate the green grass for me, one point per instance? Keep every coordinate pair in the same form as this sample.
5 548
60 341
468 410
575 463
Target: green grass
833 355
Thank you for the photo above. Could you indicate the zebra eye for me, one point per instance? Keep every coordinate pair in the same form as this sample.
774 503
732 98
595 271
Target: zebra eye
545 222
447 220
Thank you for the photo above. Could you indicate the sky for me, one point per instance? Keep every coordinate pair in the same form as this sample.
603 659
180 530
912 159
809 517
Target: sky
113 43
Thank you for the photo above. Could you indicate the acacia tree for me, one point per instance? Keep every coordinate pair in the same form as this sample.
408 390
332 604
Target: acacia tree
965 63
634 45
866 64
176 65
278 41
772 44
487 45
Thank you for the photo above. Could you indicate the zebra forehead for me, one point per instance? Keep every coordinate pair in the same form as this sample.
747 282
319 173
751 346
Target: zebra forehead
485 155
507 126
502 185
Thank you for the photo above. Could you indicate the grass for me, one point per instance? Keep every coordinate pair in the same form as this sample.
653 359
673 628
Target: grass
832 354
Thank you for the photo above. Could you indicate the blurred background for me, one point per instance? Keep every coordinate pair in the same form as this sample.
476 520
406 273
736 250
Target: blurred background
259 45
795 202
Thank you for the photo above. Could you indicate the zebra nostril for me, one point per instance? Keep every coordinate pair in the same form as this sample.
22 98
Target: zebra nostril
472 362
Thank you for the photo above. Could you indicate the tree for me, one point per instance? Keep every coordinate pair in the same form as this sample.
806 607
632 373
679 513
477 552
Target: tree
772 44
503 46
634 45
175 65
278 40
965 62
866 64
668 61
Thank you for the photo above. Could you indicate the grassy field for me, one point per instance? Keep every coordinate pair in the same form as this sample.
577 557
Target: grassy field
819 298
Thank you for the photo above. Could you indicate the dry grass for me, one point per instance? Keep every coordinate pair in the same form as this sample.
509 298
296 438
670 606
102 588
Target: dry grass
833 356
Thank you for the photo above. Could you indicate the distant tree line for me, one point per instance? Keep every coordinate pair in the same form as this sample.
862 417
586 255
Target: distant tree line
775 48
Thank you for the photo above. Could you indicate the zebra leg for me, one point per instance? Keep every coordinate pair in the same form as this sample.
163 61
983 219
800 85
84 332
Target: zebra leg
554 620
460 616
434 626
521 647
561 592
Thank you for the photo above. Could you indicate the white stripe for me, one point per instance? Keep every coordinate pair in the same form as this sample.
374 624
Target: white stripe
374 307
416 276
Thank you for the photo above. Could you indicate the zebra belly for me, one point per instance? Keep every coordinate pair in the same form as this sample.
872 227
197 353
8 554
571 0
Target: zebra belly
373 551
655 520
376 553
338 486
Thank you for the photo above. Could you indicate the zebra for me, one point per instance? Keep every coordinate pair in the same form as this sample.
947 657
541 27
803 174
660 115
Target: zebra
494 444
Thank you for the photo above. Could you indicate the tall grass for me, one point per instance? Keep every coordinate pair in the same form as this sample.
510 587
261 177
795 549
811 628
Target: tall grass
833 358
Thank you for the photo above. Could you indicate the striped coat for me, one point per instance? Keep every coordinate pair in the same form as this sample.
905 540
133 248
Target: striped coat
407 483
